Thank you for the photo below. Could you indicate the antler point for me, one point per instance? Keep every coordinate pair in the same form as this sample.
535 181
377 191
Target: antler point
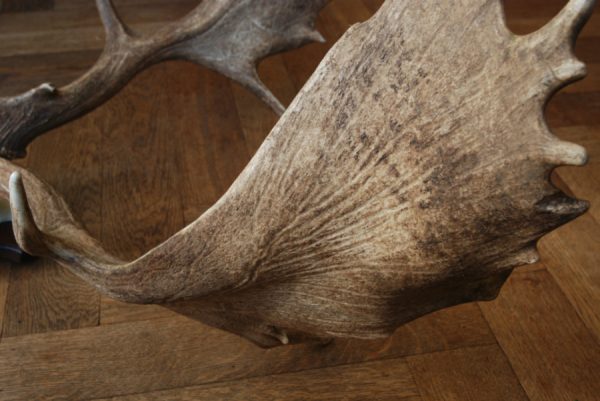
562 153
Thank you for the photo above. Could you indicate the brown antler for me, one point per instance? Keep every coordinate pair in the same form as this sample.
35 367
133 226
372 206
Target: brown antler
410 174
229 36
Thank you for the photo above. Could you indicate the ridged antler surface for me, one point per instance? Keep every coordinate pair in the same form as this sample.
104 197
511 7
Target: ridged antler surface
411 173
228 36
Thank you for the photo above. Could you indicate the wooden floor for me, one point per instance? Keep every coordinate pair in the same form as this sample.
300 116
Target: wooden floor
160 153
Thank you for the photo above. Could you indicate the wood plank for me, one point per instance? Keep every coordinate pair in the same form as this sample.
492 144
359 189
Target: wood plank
60 5
572 256
168 353
533 8
15 84
4 278
113 312
349 13
553 354
44 296
43 68
58 41
213 150
524 25
12 6
571 252
467 374
383 381
86 15
586 48
163 350
80 29
141 186
373 5
568 109
21 73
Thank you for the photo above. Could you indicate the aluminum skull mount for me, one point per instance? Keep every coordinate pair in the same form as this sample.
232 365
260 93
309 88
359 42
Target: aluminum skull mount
409 174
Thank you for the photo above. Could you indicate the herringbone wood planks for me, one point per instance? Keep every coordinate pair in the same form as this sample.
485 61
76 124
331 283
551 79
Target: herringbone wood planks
160 153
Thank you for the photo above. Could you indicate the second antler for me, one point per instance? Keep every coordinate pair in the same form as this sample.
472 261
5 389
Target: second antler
228 36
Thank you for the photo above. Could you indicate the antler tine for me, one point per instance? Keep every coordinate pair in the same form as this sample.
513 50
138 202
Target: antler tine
252 81
573 17
563 153
555 43
26 231
69 244
566 25
44 226
113 25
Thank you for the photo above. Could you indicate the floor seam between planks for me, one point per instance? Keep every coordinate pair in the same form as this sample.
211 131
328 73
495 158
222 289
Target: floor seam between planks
289 373
502 350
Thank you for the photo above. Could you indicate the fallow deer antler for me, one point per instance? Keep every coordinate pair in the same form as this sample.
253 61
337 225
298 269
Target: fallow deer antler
409 174
228 36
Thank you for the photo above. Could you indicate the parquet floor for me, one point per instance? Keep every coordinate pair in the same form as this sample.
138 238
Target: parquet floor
161 152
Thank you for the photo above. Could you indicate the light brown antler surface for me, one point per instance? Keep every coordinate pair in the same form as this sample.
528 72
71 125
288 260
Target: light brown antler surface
409 174
228 36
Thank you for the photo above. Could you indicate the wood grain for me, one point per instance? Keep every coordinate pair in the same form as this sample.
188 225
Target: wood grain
467 374
213 147
373 5
138 157
44 296
553 354
69 15
21 72
532 8
11 6
381 381
572 253
572 256
4 277
569 109
140 351
113 312
540 327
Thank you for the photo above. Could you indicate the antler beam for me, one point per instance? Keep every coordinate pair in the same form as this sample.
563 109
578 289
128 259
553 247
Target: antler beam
408 175
228 36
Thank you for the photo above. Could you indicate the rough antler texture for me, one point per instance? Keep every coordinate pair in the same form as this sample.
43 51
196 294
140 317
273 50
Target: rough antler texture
410 174
228 36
